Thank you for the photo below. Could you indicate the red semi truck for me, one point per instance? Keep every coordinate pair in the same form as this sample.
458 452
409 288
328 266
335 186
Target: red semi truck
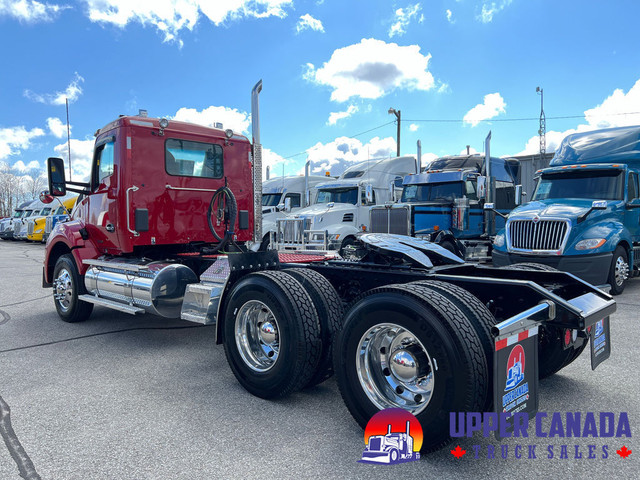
170 224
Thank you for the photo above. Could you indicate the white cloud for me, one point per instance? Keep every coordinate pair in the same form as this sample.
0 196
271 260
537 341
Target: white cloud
30 11
609 112
403 17
170 17
56 127
617 110
274 162
342 152
371 69
72 92
449 14
335 116
15 139
493 106
413 127
22 168
229 117
307 22
81 158
490 9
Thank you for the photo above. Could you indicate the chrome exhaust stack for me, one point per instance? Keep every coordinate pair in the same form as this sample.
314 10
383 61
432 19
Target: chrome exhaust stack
257 163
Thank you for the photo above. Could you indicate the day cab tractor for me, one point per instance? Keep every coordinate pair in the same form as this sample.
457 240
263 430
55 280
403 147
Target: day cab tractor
169 223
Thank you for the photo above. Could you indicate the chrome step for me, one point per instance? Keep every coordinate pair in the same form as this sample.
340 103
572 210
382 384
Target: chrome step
198 299
122 307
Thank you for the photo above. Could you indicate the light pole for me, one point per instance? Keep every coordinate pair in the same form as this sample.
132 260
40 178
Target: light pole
397 114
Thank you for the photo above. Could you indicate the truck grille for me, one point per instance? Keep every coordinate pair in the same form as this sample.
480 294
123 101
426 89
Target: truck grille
30 227
2 227
16 227
390 220
48 224
543 235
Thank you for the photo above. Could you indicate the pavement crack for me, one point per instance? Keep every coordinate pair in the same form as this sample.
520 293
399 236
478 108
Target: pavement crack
16 450
23 301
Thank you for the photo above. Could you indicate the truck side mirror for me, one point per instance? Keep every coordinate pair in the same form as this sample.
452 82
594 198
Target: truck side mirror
518 194
482 187
287 204
45 197
57 181
368 193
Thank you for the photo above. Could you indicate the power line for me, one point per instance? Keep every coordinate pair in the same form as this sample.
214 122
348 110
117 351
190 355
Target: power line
453 120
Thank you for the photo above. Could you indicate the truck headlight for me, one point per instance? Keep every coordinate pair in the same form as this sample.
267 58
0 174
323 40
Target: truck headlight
590 243
499 240
333 238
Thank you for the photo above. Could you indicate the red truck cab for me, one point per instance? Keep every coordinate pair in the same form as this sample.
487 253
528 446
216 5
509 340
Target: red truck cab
151 185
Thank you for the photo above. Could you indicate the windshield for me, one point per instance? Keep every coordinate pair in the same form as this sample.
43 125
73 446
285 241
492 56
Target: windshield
435 191
60 211
45 211
271 199
594 184
338 195
18 213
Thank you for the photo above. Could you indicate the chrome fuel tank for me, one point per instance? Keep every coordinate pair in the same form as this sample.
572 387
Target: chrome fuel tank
158 287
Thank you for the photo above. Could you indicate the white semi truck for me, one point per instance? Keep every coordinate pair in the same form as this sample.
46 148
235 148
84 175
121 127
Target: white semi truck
342 208
282 195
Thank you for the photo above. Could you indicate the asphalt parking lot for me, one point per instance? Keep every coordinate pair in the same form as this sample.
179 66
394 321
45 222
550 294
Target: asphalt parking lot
156 400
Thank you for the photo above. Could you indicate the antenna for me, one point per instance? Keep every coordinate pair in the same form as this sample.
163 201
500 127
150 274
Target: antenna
542 132
66 101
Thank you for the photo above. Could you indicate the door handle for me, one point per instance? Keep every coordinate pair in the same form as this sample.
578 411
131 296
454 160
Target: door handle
110 227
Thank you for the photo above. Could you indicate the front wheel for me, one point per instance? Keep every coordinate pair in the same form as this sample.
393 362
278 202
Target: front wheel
67 285
619 270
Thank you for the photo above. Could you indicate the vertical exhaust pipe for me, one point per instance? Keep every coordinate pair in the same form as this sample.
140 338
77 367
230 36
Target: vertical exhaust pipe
389 429
408 427
268 173
419 162
257 162
307 196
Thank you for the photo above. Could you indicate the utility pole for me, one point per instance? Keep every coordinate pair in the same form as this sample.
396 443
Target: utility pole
66 101
397 114
542 132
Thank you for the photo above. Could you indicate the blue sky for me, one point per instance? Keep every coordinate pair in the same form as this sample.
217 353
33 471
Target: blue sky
331 69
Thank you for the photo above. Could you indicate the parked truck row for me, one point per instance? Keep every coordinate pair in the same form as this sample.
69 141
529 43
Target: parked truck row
33 221
171 223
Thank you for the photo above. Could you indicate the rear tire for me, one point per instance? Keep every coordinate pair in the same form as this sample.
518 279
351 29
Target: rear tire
67 285
271 334
436 363
478 315
328 305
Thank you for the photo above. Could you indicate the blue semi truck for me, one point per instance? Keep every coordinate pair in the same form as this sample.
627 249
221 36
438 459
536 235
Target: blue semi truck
584 215
444 204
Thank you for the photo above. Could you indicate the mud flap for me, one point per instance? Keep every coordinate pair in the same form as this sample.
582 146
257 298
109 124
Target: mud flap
515 384
600 336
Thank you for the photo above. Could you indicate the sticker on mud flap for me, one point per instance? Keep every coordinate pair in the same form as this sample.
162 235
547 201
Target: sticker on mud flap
600 342
515 383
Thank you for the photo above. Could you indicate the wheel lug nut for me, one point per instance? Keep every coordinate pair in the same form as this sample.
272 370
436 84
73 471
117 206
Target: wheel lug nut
386 372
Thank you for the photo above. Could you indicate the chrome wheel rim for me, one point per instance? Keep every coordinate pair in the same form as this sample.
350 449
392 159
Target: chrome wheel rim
63 289
394 368
621 271
257 337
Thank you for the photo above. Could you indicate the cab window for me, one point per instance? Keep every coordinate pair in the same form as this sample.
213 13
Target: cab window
295 199
185 158
103 166
632 187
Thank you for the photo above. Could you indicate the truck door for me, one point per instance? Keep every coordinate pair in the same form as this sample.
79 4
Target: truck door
102 222
632 215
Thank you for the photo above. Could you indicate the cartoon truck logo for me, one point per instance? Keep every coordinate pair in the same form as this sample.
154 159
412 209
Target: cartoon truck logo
515 368
394 447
